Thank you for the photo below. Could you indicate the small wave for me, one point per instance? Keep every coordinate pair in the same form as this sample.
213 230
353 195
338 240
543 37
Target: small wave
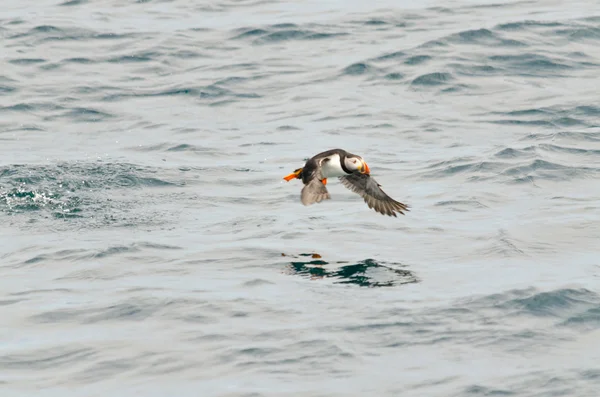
474 69
530 64
375 22
551 116
558 303
510 153
210 92
542 169
73 3
588 319
478 390
281 33
20 107
5 89
432 79
287 128
542 123
391 56
58 357
27 61
144 56
570 150
463 165
501 244
180 147
134 310
509 172
251 33
571 135
579 33
48 33
184 147
461 205
357 69
84 115
476 34
417 60
528 24
394 76
79 60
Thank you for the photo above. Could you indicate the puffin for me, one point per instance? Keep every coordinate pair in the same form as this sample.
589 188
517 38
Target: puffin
352 171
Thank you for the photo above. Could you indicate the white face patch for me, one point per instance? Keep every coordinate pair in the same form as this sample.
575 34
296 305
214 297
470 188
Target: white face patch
333 167
353 163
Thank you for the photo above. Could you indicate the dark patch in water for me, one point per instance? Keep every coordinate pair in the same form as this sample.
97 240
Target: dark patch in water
365 273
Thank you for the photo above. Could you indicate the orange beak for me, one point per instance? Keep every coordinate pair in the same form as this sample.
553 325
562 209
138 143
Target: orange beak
365 169
293 175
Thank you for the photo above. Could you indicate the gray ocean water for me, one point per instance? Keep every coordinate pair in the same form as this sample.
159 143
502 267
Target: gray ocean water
149 246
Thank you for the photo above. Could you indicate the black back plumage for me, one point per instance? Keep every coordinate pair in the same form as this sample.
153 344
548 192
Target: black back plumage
312 164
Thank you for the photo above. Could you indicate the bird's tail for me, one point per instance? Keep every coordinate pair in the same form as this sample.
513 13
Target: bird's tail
296 174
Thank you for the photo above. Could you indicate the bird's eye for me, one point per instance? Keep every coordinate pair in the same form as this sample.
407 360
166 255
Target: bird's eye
354 161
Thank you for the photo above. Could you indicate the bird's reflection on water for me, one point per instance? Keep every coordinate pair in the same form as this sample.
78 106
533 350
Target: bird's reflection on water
365 273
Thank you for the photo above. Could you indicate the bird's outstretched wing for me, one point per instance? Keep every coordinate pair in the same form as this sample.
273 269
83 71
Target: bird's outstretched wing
369 190
314 192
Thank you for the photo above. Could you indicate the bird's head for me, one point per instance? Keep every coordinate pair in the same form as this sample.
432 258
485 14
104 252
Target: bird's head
356 163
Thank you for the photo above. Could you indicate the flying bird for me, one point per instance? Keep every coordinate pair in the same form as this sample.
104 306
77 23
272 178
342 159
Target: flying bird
354 174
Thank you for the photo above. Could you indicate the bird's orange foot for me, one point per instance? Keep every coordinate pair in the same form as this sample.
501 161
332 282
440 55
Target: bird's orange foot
324 181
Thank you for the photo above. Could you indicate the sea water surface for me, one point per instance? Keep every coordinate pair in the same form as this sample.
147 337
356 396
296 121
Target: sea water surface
149 246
